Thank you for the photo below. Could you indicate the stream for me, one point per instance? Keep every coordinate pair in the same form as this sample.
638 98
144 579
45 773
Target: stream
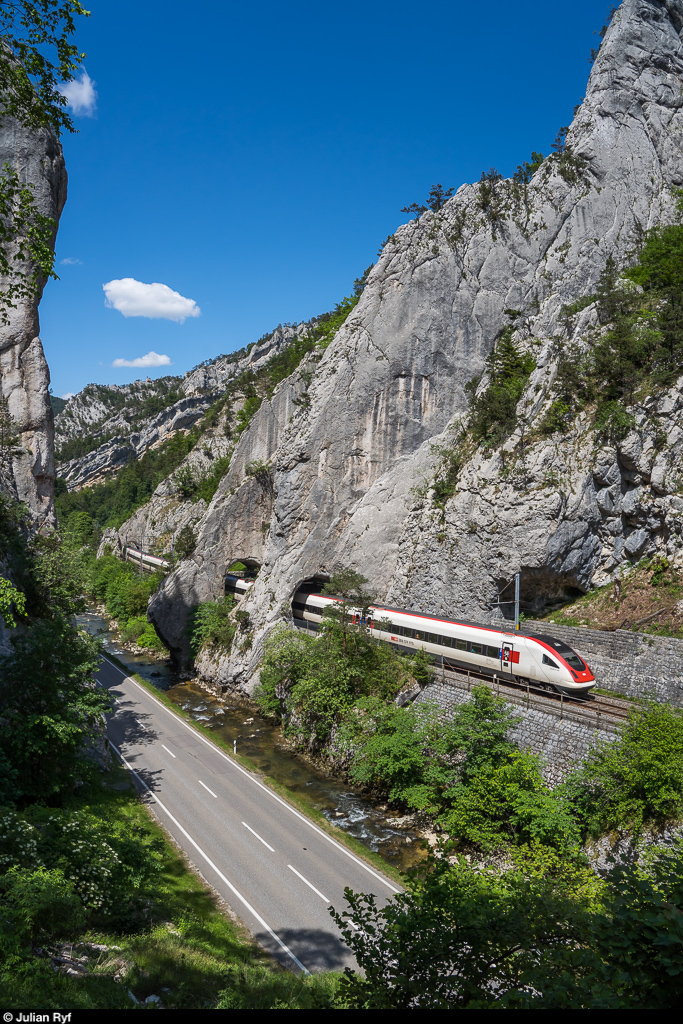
262 742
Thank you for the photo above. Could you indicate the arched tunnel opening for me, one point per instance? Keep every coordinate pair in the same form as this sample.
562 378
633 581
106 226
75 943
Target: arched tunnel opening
305 618
540 592
240 576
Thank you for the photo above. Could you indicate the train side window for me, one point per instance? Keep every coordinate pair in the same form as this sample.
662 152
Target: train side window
419 636
492 652
549 661
446 641
475 648
431 638
407 631
397 630
461 645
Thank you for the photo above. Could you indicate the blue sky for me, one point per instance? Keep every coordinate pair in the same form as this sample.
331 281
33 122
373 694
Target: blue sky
252 158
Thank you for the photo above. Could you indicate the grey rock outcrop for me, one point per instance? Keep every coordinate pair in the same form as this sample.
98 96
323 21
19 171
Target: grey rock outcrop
109 416
348 439
37 158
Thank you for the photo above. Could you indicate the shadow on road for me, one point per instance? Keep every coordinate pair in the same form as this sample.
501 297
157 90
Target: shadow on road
316 949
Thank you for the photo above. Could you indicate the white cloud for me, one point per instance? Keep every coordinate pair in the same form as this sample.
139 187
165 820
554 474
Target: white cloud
68 395
80 95
151 359
68 260
156 301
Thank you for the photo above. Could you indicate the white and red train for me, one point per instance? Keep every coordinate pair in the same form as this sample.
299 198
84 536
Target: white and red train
541 659
147 561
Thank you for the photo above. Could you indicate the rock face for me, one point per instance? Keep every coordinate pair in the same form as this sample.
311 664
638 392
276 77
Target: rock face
347 440
117 423
24 375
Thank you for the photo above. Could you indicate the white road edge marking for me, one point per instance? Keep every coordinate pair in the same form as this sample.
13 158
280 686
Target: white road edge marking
207 789
211 864
310 885
265 789
167 750
258 837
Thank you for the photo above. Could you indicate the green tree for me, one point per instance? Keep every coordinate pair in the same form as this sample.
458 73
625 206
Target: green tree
210 624
352 602
526 170
493 412
48 705
417 208
37 55
12 603
9 434
459 938
438 197
637 780
185 543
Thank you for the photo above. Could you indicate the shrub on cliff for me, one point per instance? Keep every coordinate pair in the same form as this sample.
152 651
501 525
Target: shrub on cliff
493 412
210 625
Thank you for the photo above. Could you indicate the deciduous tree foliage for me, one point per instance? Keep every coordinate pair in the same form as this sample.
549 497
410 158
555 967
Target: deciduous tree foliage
461 938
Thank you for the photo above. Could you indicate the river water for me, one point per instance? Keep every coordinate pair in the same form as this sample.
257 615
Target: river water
263 744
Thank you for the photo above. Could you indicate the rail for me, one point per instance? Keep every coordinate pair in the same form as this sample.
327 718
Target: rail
605 711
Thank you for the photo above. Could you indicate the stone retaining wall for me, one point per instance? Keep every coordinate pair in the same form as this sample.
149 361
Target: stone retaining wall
635 664
561 741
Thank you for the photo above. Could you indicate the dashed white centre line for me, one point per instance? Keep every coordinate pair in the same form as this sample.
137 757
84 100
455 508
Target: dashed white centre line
207 789
167 750
141 725
258 837
211 864
309 884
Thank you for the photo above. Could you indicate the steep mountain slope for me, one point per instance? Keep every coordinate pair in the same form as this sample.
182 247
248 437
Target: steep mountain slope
345 446
37 158
102 427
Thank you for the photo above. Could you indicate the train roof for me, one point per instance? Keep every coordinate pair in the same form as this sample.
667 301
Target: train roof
543 638
435 618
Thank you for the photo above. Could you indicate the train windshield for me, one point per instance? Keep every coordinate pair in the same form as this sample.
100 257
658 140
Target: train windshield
566 652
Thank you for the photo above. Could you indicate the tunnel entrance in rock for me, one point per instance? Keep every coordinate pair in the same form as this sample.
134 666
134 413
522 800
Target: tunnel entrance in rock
302 617
240 576
540 591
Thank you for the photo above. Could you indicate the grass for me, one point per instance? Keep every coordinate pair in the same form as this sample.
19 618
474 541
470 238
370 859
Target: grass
317 817
192 954
651 586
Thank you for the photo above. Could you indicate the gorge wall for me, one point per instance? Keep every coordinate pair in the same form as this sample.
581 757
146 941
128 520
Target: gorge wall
37 158
348 441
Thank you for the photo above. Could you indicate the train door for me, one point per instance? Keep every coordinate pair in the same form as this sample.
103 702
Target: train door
508 657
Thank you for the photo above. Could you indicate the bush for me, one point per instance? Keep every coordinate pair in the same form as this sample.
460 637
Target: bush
48 705
185 543
210 625
464 938
150 639
134 628
112 867
39 903
636 780
322 676
493 413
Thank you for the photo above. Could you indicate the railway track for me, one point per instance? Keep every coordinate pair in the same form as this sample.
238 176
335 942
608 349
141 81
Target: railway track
595 706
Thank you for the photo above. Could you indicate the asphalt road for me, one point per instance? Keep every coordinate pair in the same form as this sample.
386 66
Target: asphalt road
277 870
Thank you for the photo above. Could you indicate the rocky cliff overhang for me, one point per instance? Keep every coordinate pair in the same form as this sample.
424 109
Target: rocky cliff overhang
349 448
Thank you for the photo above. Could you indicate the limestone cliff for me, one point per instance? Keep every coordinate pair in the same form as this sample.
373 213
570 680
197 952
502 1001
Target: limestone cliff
108 424
37 158
348 439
